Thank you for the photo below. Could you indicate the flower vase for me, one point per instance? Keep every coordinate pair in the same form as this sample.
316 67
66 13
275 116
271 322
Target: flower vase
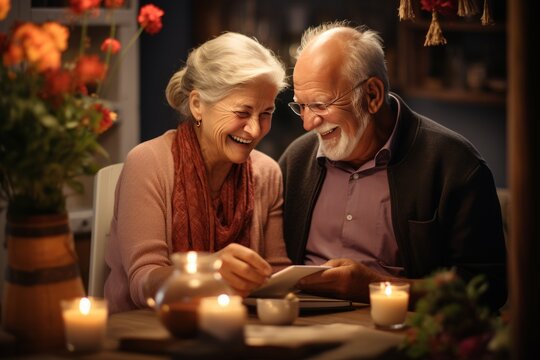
41 270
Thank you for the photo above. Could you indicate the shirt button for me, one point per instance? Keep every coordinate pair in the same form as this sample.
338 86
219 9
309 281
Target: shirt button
355 176
349 217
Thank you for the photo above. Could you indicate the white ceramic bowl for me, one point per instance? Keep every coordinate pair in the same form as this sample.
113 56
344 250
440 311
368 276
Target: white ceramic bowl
278 311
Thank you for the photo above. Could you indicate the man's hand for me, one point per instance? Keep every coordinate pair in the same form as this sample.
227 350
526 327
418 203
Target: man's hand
243 269
347 279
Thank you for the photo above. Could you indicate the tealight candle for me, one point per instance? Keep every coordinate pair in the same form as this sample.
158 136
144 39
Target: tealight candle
389 303
222 318
85 323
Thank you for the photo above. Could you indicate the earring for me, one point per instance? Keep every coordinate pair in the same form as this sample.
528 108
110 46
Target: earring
198 122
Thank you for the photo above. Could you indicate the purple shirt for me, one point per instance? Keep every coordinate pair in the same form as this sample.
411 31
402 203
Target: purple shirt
360 225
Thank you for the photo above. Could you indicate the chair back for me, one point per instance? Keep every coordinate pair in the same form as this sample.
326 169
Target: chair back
104 188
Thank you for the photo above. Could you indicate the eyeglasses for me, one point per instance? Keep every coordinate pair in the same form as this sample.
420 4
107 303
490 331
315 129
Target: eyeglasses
320 108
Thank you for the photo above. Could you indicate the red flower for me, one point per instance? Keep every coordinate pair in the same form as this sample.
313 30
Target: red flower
108 118
473 347
113 4
111 45
82 6
89 69
444 7
150 18
57 82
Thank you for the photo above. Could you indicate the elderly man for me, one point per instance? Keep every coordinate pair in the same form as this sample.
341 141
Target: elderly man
375 190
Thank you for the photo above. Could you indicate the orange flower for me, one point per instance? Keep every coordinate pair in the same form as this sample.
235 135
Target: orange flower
12 55
58 33
49 59
5 6
82 6
113 4
150 18
35 45
89 69
111 45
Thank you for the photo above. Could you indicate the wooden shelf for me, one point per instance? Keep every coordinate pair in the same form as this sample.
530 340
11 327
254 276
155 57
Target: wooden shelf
456 95
455 26
449 72
122 17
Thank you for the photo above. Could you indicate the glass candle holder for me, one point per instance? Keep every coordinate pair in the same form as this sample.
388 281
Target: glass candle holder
389 303
222 318
196 276
85 323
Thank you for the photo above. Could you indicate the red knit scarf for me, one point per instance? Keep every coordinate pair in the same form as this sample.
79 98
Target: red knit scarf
199 223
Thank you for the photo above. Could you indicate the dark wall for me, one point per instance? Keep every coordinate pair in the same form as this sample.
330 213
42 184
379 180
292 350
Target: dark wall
484 126
161 55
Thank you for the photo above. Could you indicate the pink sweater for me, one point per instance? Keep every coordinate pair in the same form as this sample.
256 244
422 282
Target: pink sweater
140 238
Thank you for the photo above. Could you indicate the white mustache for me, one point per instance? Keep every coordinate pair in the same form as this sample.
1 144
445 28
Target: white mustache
324 129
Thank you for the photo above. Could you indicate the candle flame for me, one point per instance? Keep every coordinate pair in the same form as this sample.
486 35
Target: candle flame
84 306
223 300
387 289
191 266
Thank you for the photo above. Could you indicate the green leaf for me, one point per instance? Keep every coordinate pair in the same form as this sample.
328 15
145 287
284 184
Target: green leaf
48 121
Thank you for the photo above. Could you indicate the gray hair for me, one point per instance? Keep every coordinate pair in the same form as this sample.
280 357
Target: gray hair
220 65
366 54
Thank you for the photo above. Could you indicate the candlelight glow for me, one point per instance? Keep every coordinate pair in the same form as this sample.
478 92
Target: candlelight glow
387 289
84 306
223 300
191 266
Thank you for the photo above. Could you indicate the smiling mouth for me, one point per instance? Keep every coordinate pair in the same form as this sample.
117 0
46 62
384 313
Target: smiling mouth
240 140
327 131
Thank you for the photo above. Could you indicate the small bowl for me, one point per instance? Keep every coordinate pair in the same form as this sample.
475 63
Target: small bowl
278 311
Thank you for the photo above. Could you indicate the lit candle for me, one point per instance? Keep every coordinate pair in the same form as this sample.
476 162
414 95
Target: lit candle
389 304
85 323
222 318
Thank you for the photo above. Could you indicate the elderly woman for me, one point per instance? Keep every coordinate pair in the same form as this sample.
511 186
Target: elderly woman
203 186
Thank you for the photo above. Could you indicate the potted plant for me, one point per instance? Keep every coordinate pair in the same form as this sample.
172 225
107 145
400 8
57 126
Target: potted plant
449 322
51 117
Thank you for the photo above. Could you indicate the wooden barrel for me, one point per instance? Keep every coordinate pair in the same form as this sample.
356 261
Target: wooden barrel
42 269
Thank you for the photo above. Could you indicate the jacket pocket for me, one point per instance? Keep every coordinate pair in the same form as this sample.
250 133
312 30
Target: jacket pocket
426 245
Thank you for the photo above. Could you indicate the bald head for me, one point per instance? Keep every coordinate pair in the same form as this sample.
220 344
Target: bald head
341 51
325 55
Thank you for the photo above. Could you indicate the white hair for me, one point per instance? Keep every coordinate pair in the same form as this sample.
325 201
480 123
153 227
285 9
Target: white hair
219 66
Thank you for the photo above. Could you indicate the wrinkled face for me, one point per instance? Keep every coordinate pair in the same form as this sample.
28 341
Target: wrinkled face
340 129
232 127
342 145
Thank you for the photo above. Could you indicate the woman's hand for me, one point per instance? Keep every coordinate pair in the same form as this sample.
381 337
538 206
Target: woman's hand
243 269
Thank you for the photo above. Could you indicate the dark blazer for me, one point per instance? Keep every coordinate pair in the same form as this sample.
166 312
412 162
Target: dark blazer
445 210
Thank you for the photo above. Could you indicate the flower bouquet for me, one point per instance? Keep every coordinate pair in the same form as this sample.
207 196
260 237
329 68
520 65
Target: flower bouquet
448 323
51 112
51 116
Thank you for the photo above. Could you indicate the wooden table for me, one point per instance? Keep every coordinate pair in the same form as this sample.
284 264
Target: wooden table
139 335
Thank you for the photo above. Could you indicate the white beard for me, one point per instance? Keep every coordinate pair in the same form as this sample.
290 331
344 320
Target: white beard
341 148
